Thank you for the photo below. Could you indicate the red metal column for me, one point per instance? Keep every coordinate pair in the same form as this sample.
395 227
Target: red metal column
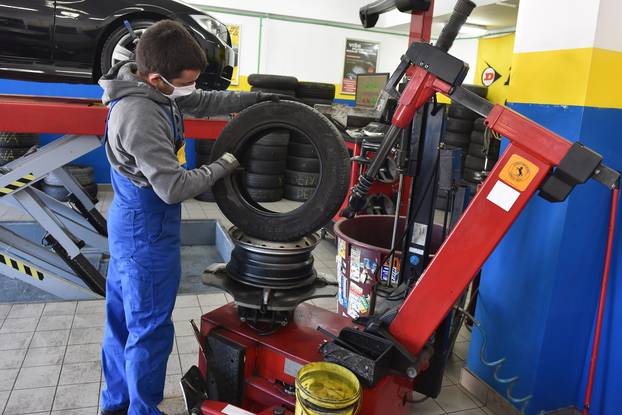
421 25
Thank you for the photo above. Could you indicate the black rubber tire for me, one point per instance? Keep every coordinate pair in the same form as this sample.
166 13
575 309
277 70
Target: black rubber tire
477 150
298 193
474 163
480 90
458 125
477 137
312 102
300 178
273 81
478 125
264 167
315 90
8 154
204 147
61 194
301 150
334 176
298 138
456 139
267 153
263 181
472 176
84 174
207 196
17 140
105 58
462 112
265 195
306 164
276 138
288 92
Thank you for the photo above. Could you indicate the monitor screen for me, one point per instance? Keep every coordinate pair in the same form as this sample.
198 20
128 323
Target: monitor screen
368 87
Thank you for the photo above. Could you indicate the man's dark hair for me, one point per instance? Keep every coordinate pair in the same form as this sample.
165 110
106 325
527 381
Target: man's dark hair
169 49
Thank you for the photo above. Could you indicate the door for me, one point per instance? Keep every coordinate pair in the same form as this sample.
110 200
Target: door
26 30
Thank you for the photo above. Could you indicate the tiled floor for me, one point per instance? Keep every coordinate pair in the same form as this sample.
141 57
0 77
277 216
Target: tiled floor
50 352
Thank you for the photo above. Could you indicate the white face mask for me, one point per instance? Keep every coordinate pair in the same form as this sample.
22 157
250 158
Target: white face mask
179 91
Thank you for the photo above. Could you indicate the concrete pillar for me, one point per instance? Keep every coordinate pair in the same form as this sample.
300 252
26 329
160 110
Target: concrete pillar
539 289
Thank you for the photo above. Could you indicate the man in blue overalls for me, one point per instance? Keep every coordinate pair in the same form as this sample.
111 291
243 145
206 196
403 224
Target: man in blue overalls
145 147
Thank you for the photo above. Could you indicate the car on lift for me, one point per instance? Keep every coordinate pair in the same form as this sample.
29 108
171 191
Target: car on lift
77 41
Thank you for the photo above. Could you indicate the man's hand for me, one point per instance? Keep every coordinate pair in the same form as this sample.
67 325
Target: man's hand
265 96
224 166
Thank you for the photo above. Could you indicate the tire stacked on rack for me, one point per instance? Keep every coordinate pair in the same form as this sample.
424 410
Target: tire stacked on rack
482 153
313 93
15 145
303 169
273 84
203 150
85 175
265 164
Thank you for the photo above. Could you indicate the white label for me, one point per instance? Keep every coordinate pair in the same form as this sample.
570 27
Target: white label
234 410
416 251
420 231
291 368
503 196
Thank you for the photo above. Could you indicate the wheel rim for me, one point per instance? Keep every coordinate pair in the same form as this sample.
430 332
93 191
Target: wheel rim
125 48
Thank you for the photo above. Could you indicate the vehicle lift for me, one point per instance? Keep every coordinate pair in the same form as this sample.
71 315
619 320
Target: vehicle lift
241 368
70 229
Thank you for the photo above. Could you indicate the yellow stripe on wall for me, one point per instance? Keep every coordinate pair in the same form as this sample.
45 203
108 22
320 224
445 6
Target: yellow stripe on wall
580 77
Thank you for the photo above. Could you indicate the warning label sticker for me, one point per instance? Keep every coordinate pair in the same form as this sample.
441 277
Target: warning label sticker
518 172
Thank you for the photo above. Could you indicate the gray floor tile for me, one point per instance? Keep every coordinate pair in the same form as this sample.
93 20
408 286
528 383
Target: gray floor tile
60 308
328 303
54 322
79 353
26 401
187 344
4 310
89 320
76 396
91 306
173 367
49 338
11 359
37 377
453 370
184 301
188 360
10 341
19 325
79 373
461 349
86 335
453 399
183 328
212 299
186 314
476 411
7 379
4 396
93 410
427 407
26 310
44 356
172 406
172 389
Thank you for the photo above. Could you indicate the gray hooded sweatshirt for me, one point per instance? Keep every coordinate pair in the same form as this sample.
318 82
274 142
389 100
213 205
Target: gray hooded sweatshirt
142 145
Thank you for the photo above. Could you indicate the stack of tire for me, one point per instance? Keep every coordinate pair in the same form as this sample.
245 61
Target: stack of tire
315 93
203 150
264 165
273 84
85 175
303 169
15 145
482 153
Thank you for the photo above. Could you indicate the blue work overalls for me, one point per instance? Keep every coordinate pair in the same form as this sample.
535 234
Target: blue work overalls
141 287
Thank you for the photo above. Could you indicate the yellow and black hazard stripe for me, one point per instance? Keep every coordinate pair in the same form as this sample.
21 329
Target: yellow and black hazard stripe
19 266
17 184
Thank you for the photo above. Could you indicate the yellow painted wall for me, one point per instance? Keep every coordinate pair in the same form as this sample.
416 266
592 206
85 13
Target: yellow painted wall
497 53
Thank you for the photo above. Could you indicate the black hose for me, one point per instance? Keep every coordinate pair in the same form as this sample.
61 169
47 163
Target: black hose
462 10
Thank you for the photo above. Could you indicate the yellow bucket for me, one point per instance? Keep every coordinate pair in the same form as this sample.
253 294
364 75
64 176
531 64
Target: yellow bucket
327 389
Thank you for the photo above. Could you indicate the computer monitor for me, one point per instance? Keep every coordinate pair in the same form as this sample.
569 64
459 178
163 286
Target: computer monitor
368 87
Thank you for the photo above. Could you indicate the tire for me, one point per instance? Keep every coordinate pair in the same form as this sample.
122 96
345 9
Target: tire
477 137
267 153
207 196
275 138
301 150
477 150
315 90
462 112
456 139
264 167
299 178
8 154
120 34
288 92
472 176
333 181
17 140
265 195
458 125
298 138
85 175
478 125
263 181
479 90
204 147
61 194
298 193
474 163
306 164
312 102
273 81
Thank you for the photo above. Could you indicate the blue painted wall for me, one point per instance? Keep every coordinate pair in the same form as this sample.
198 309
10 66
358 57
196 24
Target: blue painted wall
540 287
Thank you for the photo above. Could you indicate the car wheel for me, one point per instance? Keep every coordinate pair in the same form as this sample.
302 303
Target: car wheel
120 46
